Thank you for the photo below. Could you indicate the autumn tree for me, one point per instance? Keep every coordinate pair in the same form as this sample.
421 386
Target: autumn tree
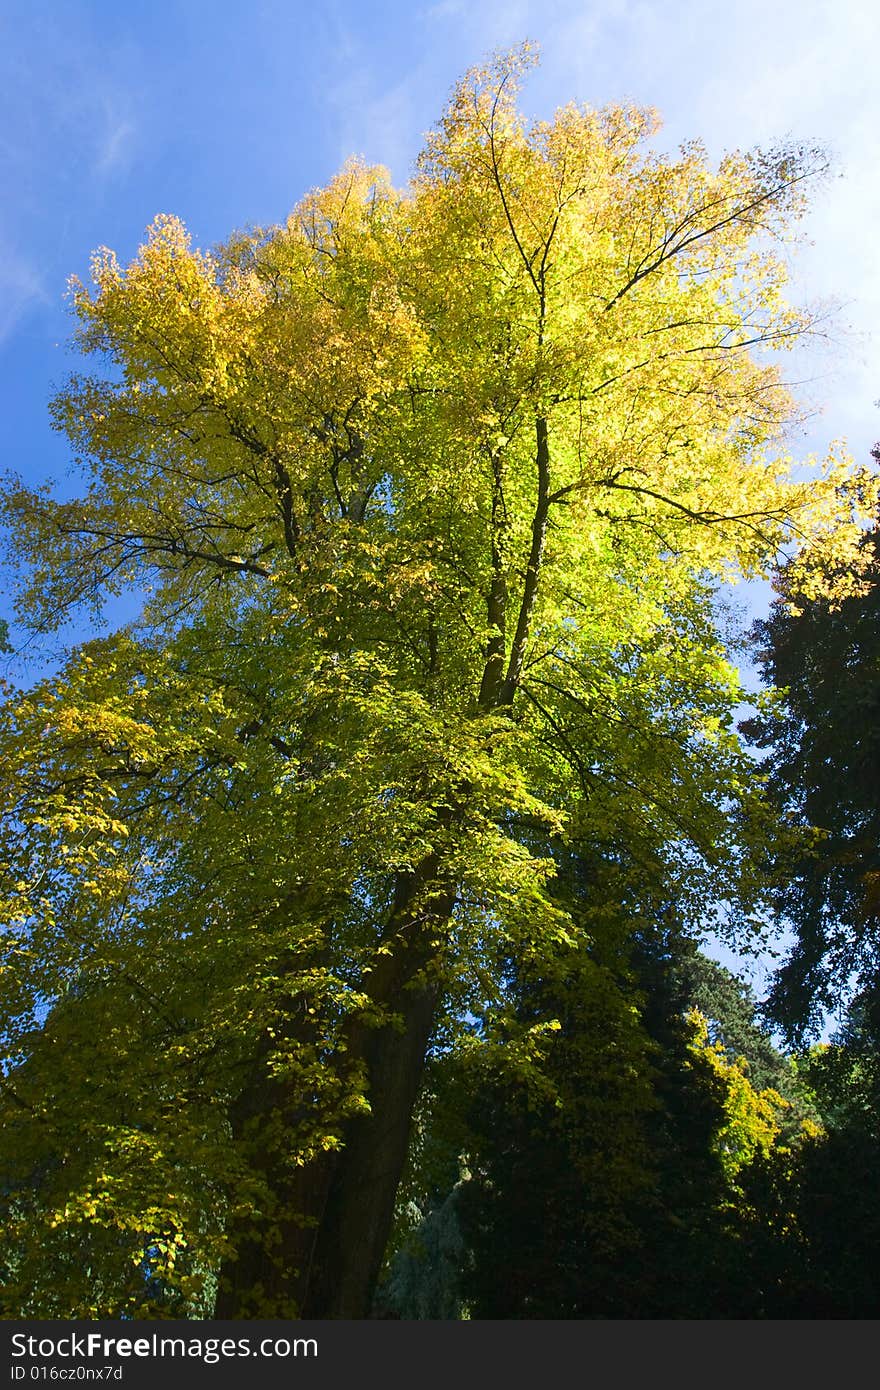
425 493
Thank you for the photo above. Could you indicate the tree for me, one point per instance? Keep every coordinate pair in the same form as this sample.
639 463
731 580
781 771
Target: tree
425 493
809 1213
606 1174
824 760
736 1025
823 757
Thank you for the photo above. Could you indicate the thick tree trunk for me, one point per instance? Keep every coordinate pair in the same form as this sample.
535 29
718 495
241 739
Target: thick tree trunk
357 1217
336 1213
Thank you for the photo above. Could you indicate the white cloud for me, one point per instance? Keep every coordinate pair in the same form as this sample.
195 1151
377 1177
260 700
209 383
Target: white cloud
62 94
381 112
446 9
68 124
21 289
115 148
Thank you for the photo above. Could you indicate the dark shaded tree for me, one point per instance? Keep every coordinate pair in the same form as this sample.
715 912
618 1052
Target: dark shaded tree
598 1182
822 740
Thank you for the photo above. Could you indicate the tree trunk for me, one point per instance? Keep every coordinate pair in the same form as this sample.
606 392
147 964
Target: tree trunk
357 1218
336 1212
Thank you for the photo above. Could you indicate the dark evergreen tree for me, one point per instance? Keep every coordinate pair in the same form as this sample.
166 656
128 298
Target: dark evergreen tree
594 1184
815 1228
823 753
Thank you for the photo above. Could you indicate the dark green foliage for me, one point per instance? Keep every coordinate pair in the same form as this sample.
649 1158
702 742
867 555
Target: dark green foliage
824 756
553 1176
734 1014
810 1238
592 1185
814 1227
592 1190
424 1281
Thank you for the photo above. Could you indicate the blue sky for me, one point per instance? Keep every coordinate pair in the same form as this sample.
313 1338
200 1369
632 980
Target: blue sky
225 114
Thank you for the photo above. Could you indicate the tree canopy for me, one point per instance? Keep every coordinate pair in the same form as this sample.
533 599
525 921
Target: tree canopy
426 493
